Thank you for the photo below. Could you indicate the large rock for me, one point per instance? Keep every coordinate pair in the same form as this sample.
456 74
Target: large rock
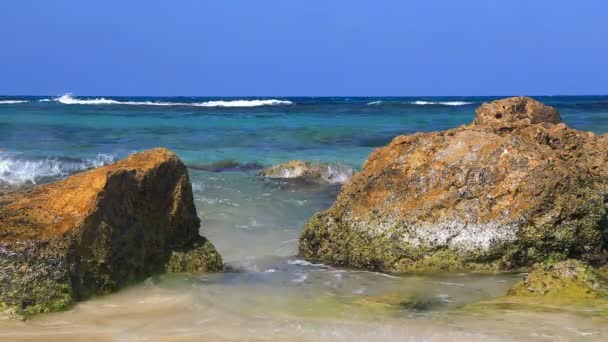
309 172
98 231
507 191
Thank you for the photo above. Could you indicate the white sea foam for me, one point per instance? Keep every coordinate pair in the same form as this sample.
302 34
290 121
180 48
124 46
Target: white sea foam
70 100
243 103
45 100
15 170
301 262
442 103
301 277
338 174
12 101
374 103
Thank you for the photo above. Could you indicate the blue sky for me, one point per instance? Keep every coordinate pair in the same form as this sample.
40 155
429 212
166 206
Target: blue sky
312 47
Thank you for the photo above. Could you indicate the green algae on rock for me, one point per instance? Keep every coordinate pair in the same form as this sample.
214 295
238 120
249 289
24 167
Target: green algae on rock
513 189
569 281
569 285
98 231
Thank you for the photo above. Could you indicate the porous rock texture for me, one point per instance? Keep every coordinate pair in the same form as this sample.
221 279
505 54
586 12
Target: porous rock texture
98 231
514 188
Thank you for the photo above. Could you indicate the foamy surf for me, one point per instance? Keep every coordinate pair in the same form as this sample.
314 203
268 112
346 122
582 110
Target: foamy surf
12 101
68 99
17 170
243 103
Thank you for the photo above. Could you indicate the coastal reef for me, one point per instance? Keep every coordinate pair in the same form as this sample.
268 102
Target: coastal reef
515 188
98 231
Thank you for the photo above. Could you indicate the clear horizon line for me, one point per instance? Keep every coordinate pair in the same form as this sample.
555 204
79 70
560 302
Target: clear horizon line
301 96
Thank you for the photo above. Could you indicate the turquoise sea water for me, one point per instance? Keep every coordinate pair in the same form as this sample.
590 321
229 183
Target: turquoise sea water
205 130
269 293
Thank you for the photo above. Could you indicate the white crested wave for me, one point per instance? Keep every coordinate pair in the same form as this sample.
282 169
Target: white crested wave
243 103
70 100
374 103
12 101
443 103
45 100
15 170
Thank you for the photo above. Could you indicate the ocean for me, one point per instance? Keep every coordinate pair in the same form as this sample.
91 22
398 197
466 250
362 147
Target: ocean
268 293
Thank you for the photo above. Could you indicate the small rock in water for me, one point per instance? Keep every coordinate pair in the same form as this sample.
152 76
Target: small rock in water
570 285
568 280
411 302
297 170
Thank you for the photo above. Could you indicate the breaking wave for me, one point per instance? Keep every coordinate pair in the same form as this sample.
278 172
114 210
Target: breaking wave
70 100
243 103
442 103
418 103
18 170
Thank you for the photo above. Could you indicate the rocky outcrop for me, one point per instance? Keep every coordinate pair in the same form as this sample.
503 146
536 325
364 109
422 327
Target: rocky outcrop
515 111
98 231
308 172
514 188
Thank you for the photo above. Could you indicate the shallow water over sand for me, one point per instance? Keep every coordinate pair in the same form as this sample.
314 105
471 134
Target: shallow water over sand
269 294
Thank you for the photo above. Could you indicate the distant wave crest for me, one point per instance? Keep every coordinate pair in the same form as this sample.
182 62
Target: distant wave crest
442 103
12 101
70 100
418 103
18 170
243 103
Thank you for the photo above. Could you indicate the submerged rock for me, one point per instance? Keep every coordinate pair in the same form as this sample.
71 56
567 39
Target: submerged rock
308 172
512 189
226 166
98 231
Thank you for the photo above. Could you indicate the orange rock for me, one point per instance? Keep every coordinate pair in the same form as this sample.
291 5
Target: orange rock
97 231
507 191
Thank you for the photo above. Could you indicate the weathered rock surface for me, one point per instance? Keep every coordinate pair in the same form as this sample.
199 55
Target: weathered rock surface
515 111
514 188
309 172
98 231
